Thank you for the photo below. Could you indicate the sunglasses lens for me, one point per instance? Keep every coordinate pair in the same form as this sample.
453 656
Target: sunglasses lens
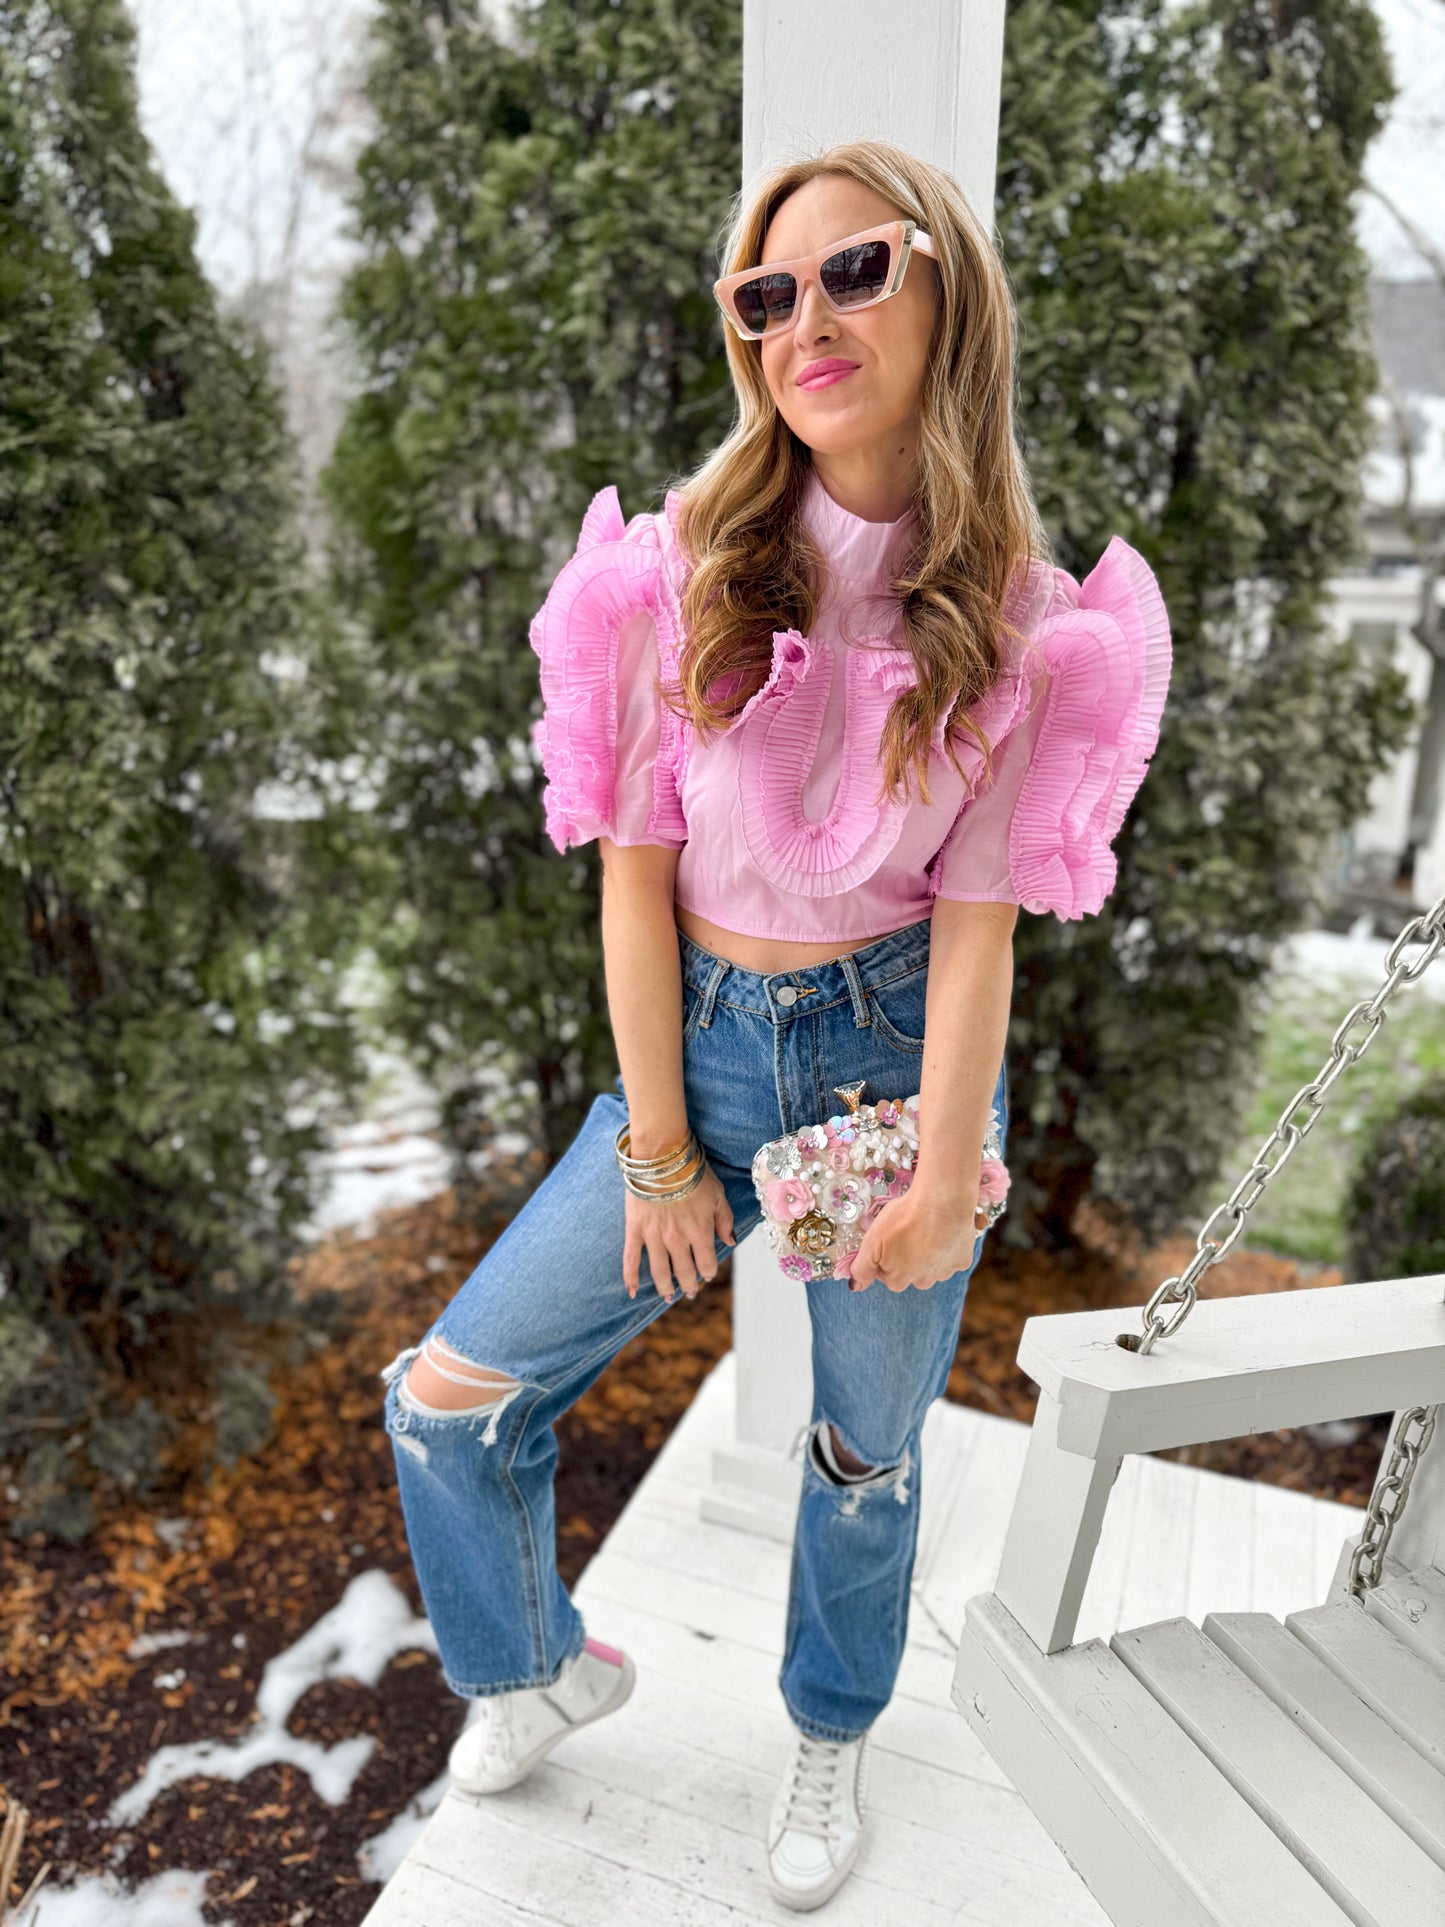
851 278
855 276
767 301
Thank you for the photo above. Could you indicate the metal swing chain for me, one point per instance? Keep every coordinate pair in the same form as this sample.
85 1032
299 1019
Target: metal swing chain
1180 1291
1394 1483
1367 1561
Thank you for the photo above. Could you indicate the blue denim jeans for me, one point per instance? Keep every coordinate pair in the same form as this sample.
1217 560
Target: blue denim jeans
547 1307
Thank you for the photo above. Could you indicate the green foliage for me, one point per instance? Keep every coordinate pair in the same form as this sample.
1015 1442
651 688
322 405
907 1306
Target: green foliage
244 1420
1301 1212
533 321
172 1033
1174 202
1395 1208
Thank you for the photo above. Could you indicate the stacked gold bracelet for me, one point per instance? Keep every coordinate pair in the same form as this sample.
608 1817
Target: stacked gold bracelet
666 1178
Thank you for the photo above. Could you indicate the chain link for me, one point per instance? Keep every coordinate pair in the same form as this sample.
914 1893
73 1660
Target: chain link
1180 1292
1393 1483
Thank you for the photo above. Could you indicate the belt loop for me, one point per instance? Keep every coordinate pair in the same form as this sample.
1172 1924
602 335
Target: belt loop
861 1019
710 989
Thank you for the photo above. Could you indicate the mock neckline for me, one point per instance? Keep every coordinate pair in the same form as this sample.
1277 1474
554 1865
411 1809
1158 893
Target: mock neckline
859 551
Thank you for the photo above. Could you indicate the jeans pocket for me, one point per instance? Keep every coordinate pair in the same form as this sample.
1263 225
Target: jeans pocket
896 1009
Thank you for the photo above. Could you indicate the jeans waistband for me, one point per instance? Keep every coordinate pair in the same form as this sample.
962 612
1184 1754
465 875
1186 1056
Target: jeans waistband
785 994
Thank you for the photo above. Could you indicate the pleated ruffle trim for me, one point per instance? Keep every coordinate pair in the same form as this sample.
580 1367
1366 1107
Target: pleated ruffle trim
1103 648
616 569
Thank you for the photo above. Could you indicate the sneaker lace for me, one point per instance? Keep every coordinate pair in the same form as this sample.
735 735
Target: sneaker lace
813 1786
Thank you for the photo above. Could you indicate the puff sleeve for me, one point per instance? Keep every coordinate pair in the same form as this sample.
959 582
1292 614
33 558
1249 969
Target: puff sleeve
1095 675
611 750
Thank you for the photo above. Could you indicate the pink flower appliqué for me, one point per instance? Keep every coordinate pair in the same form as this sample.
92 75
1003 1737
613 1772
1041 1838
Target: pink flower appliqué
796 1266
789 1198
993 1181
840 1158
842 1192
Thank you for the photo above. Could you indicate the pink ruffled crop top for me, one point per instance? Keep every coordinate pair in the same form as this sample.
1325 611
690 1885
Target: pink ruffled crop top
774 822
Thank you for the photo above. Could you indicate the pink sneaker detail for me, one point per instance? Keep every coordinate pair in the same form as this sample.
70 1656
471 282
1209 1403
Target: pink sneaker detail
599 1651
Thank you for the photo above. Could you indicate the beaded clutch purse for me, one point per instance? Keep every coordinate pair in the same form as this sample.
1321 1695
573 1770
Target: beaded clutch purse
821 1187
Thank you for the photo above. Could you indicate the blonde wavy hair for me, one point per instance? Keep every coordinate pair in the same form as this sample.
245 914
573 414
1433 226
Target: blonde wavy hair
752 565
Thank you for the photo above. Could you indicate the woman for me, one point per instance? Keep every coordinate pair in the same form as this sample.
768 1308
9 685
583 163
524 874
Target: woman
851 591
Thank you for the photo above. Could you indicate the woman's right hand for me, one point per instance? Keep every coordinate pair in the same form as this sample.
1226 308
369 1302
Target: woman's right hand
680 1237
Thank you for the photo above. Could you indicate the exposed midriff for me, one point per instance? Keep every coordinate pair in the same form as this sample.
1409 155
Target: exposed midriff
763 954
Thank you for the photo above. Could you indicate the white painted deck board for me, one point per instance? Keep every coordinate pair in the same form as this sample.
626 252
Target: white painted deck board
658 1814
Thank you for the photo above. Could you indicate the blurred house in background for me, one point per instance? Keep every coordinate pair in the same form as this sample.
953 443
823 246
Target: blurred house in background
1393 862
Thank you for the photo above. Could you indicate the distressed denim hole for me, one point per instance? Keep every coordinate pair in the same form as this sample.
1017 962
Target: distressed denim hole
831 1460
441 1384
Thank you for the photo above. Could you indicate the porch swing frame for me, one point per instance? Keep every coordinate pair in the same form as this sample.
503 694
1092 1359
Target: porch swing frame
1158 1831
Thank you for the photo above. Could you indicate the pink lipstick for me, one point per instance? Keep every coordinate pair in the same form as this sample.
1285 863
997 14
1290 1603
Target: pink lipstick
822 374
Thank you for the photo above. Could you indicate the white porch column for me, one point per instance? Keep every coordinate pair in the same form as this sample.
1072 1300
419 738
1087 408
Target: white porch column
924 74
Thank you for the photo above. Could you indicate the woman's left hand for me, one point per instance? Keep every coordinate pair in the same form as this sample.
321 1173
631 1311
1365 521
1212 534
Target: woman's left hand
915 1242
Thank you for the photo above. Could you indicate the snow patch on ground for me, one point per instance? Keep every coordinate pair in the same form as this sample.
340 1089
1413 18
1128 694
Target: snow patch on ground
144 1644
357 1639
379 1857
1355 962
172 1899
394 1155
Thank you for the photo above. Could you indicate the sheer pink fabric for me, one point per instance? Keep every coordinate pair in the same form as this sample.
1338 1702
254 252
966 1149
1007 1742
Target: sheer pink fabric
777 822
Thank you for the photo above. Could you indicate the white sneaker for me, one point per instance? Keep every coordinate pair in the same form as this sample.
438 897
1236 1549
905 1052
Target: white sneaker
816 1826
510 1732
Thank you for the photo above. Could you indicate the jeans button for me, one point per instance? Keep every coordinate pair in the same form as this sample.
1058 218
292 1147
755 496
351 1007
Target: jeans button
786 994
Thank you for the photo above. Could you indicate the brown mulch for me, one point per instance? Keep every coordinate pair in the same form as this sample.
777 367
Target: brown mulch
248 1558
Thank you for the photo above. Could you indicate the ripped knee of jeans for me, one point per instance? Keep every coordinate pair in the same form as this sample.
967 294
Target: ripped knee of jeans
839 1465
435 1381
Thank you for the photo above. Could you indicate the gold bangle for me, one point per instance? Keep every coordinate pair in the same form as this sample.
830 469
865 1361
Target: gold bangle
624 1156
663 1178
625 1139
677 1191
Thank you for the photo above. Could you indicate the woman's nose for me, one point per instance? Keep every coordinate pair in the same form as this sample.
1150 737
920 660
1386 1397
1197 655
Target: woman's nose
812 316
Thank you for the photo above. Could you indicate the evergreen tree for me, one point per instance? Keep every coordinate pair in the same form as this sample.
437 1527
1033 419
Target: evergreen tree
1175 198
533 319
171 1031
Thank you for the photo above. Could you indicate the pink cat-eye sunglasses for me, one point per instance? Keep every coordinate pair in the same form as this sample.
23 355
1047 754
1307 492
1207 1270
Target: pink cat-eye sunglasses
857 272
